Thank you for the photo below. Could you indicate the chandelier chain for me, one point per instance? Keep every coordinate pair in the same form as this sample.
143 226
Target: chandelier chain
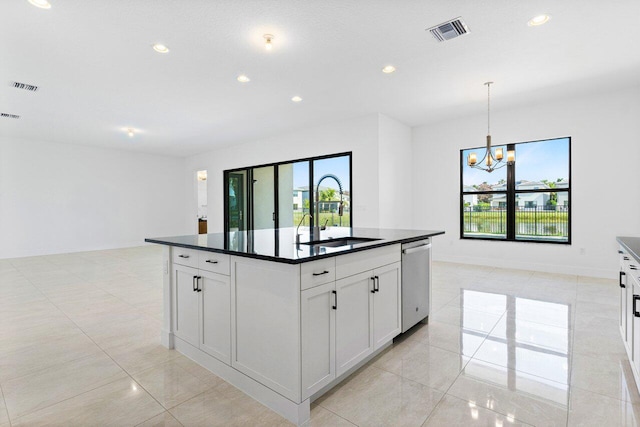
488 107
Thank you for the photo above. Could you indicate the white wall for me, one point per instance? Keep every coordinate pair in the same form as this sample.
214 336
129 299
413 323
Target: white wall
357 135
57 198
605 149
395 177
202 198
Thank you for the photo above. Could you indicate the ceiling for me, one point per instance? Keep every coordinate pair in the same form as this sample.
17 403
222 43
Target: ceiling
98 74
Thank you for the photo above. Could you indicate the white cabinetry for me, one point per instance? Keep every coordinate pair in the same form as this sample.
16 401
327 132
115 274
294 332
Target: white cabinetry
318 308
266 323
346 321
201 309
630 310
635 319
387 313
354 318
285 332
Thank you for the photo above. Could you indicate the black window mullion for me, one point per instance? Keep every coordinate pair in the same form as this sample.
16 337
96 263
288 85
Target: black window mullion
511 198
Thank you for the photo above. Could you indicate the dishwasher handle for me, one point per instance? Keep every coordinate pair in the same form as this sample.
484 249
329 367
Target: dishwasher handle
417 249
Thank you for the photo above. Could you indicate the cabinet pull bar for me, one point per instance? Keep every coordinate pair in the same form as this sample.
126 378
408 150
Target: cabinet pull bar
183 256
211 261
620 252
622 273
635 311
633 267
335 304
195 287
373 290
626 258
377 283
320 274
198 283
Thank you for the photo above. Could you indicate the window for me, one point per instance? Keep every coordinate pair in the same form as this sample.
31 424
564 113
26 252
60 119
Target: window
527 201
279 195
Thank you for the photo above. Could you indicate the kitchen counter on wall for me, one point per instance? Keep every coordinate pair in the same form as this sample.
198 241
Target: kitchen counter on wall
632 245
280 245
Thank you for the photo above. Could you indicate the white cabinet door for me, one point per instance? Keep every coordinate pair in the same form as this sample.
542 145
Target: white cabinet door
634 344
629 315
623 305
354 318
386 304
318 338
186 297
215 307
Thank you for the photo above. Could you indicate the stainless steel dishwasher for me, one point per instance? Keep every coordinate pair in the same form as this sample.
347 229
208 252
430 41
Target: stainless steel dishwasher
416 282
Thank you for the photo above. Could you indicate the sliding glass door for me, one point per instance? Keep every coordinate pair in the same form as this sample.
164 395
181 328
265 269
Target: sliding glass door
279 195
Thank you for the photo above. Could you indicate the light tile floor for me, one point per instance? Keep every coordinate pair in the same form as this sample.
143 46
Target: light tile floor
79 345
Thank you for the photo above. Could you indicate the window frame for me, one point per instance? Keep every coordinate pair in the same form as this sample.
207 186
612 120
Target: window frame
276 219
511 198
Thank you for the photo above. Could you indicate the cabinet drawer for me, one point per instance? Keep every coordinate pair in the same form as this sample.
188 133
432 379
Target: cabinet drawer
350 264
183 256
214 262
317 273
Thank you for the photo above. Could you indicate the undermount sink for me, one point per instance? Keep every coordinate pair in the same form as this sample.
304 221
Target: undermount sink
341 241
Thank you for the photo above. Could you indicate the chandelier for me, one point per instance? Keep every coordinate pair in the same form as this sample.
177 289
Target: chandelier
492 160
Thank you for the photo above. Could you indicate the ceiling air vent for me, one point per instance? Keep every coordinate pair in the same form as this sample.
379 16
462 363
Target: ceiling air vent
25 86
9 116
449 30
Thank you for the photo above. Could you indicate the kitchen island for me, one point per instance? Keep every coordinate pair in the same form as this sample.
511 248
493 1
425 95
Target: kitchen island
284 321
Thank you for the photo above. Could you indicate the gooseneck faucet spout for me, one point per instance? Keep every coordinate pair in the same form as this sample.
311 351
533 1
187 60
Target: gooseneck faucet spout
316 222
298 228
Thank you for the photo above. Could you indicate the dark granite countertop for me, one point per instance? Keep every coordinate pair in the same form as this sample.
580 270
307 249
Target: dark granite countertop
280 246
632 245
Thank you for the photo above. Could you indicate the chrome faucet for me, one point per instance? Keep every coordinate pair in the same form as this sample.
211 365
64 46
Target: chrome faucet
316 222
298 228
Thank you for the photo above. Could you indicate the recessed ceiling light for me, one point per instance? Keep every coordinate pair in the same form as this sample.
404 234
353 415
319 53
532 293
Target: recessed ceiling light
42 4
267 41
131 132
388 69
538 20
160 48
296 99
243 79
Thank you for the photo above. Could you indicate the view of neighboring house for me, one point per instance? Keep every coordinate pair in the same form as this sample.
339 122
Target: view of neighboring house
563 197
470 199
523 200
301 197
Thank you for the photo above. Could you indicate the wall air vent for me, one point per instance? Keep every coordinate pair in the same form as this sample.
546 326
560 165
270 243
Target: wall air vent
25 86
449 30
9 116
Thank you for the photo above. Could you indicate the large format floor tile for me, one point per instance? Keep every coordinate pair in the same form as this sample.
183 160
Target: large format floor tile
116 404
373 396
79 345
452 411
422 363
44 388
163 420
531 399
176 381
592 409
225 405
607 377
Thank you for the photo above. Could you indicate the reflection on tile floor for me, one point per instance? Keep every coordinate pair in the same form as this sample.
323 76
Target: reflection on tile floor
79 345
